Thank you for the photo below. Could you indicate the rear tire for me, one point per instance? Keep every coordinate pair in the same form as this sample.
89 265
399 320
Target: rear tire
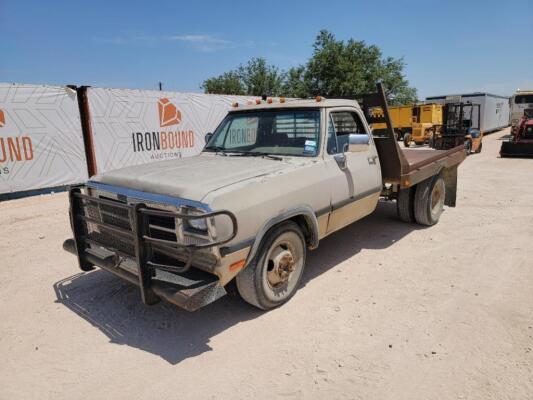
399 134
429 200
405 205
406 139
275 272
468 147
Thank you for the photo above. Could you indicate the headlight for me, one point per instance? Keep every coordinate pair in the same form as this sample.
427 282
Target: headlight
199 224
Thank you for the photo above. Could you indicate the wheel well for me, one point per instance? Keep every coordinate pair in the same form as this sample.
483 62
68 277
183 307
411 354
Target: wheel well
305 225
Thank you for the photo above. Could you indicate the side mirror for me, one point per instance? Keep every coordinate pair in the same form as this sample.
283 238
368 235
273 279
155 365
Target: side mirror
208 137
357 142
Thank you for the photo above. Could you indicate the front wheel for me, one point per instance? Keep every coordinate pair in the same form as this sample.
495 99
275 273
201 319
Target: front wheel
274 274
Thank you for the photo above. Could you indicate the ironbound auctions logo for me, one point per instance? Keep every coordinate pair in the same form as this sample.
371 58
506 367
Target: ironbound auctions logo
14 148
164 140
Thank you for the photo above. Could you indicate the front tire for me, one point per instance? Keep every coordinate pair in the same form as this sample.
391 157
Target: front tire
275 272
429 200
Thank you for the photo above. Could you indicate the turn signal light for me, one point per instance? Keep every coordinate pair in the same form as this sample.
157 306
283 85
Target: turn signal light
237 265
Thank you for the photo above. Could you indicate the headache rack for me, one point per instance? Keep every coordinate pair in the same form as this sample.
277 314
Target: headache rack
408 167
148 237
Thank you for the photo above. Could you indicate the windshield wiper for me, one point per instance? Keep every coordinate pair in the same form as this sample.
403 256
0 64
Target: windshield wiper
216 149
258 154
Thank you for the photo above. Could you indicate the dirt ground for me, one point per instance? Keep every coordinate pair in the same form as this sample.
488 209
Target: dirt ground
386 310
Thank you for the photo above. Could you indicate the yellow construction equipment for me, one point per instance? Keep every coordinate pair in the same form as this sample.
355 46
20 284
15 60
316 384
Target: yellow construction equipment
426 120
413 123
401 117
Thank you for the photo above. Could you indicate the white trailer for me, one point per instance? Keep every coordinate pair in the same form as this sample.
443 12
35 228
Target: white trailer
494 108
521 100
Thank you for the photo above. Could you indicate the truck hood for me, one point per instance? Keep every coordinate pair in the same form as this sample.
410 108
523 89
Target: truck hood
193 177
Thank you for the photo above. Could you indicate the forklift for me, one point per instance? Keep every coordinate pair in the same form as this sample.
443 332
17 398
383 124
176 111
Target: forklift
461 126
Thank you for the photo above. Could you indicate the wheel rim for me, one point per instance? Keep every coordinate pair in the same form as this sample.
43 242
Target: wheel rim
437 198
283 266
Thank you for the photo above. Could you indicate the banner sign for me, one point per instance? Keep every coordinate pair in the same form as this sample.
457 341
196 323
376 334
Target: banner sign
41 143
131 127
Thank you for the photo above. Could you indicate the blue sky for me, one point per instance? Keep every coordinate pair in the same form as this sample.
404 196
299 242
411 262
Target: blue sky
448 46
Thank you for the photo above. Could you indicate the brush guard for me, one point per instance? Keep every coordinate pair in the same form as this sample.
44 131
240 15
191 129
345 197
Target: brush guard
179 284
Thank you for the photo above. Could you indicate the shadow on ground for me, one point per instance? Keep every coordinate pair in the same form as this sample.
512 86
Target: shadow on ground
114 306
505 137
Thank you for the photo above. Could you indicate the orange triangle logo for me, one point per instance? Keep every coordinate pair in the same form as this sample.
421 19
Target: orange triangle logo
168 113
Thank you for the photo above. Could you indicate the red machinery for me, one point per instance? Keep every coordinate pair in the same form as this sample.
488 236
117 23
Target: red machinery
521 142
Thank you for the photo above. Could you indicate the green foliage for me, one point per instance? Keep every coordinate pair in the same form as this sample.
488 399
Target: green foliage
227 83
254 78
337 69
294 85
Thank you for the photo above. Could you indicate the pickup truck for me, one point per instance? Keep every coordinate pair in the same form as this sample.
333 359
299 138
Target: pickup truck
274 179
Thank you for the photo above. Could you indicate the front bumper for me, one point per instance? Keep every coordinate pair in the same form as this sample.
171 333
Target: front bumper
124 244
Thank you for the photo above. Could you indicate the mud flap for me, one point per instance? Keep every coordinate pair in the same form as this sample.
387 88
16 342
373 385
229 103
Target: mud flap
450 182
511 149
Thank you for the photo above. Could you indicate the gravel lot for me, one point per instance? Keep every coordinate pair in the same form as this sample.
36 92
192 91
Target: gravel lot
386 311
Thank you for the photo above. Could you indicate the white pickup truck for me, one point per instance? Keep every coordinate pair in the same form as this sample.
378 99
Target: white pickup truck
273 180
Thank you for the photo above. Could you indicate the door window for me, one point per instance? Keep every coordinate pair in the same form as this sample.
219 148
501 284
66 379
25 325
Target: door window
340 125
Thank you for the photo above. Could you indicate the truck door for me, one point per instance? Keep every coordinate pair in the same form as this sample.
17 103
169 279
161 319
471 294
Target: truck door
355 176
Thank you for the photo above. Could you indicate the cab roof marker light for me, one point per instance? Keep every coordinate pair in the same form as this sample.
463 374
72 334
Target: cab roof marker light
257 101
269 100
318 98
282 99
235 105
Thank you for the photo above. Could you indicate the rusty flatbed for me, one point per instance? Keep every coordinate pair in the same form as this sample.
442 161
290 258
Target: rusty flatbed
408 167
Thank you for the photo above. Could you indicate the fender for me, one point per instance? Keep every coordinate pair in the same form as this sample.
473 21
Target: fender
305 211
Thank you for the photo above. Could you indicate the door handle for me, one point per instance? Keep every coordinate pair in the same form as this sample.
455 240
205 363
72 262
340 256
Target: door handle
372 159
341 160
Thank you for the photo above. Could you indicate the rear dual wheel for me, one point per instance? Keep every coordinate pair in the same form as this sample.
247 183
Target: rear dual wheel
423 203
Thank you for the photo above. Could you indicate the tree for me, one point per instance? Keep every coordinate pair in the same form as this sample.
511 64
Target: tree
337 68
254 78
294 85
227 83
346 69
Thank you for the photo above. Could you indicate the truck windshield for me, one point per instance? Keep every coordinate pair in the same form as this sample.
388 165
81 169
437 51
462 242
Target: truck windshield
523 98
280 132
